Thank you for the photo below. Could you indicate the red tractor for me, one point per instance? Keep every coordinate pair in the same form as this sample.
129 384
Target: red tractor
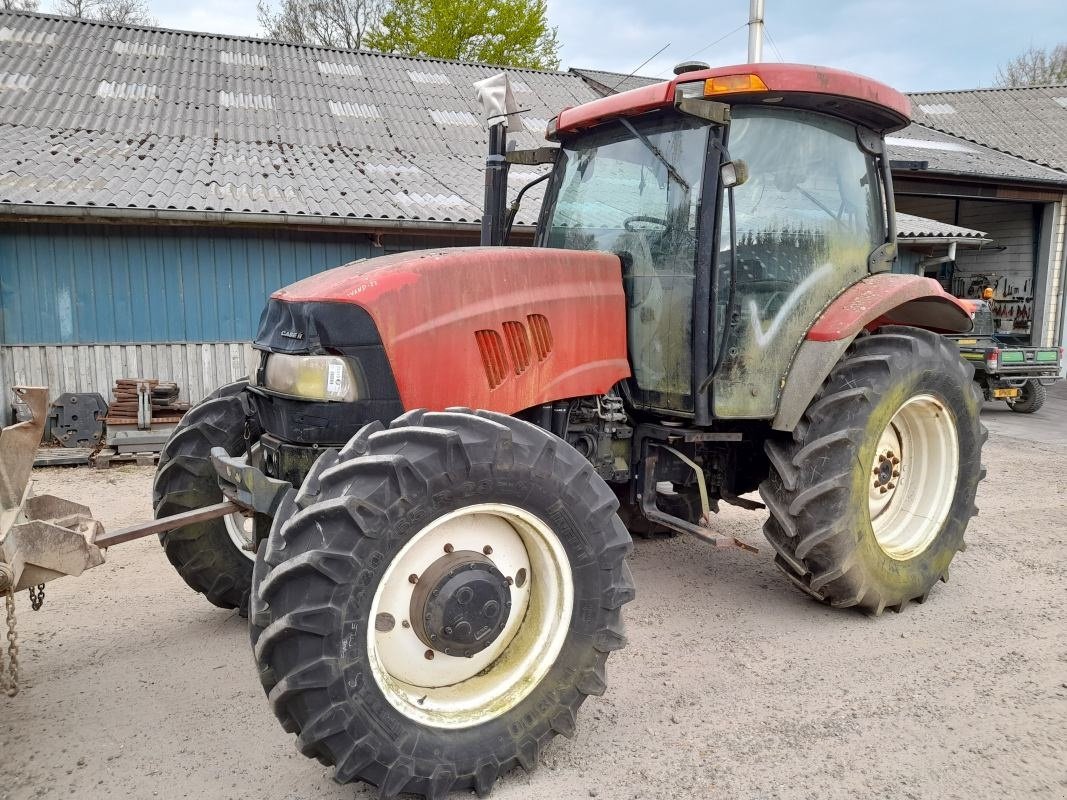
449 446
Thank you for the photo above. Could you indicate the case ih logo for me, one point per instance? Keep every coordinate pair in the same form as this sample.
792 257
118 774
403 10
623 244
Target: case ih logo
522 344
293 334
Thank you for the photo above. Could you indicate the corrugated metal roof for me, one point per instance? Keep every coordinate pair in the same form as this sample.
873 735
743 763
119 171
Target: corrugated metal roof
951 155
1030 122
911 227
126 117
112 116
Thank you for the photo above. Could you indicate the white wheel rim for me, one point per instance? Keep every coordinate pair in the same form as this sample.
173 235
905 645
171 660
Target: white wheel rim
240 529
460 692
913 479
239 526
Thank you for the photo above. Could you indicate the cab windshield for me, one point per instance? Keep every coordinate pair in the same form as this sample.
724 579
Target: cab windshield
634 188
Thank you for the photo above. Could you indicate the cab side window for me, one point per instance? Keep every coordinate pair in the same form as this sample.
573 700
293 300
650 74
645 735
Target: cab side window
807 219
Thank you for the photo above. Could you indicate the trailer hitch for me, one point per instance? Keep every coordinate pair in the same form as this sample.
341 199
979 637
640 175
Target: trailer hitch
245 488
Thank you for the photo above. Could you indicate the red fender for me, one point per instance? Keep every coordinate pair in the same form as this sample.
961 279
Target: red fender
888 299
883 299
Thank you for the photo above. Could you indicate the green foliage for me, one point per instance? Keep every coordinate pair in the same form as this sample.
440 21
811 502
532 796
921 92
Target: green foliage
1035 67
512 33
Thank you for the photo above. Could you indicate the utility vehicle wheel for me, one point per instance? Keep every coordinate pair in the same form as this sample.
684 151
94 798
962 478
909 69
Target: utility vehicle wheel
212 557
870 500
438 600
1030 399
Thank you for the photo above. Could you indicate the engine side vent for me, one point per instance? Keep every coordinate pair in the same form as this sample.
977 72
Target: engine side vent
518 345
494 358
542 335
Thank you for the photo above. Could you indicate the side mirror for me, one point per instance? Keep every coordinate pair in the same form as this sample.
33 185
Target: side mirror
733 173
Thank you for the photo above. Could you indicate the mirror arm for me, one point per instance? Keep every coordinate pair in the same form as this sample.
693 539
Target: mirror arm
719 113
513 209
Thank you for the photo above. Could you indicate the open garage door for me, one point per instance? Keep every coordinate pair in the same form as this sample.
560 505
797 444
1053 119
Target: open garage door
1009 264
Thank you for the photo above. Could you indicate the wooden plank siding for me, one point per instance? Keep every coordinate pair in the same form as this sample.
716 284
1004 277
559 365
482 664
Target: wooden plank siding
197 367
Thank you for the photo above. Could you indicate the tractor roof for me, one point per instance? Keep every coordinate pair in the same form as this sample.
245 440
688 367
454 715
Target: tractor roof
830 91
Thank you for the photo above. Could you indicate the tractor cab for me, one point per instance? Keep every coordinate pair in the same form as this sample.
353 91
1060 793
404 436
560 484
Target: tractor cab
740 201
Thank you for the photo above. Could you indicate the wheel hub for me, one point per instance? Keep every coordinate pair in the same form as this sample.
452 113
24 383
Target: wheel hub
461 603
885 470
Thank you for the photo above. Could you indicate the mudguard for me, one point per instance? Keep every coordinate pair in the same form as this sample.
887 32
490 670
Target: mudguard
884 299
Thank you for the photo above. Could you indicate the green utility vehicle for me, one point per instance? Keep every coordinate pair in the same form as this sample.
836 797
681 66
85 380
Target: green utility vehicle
1017 375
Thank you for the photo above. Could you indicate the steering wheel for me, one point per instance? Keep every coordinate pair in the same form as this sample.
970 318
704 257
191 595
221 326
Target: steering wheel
769 286
629 221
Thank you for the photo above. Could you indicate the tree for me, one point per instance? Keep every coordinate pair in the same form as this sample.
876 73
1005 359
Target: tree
18 5
328 23
1035 67
512 33
117 12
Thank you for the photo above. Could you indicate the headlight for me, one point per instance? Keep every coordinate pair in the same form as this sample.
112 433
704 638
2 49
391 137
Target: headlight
313 377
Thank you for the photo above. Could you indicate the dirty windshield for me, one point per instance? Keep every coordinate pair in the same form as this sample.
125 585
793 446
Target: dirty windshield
633 188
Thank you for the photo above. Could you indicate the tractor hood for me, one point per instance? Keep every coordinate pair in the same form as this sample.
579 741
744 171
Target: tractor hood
499 328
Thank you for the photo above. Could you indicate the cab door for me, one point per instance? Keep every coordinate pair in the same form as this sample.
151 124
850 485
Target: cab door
807 219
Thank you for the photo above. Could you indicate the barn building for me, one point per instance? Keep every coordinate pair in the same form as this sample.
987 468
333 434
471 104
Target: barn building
157 185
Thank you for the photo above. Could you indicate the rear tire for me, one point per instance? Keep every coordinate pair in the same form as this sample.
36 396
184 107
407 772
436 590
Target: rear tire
206 555
899 409
330 567
1030 399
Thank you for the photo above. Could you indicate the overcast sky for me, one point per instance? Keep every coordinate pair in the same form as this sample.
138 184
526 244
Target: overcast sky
911 44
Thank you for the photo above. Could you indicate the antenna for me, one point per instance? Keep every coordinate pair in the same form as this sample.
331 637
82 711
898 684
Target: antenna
639 66
755 31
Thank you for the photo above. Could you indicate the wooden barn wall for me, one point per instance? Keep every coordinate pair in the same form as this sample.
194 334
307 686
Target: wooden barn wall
81 305
197 367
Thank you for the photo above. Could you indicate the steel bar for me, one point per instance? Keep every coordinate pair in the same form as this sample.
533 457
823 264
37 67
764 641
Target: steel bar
166 524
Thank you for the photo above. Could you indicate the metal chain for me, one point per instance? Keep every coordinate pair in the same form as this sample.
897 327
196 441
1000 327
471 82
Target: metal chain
9 678
37 597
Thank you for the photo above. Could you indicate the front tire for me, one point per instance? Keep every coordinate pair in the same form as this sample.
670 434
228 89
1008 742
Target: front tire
1030 399
208 556
415 702
870 500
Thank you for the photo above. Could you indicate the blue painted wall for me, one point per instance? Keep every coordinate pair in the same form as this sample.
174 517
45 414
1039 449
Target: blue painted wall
88 284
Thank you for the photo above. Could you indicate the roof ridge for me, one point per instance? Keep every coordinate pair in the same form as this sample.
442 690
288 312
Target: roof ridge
990 89
613 72
260 40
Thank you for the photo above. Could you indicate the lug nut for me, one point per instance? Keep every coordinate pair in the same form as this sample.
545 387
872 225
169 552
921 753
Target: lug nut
891 486
487 550
896 473
413 578
882 490
449 548
429 655
405 624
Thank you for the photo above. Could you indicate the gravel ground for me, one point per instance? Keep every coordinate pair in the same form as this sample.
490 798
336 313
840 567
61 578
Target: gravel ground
734 684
